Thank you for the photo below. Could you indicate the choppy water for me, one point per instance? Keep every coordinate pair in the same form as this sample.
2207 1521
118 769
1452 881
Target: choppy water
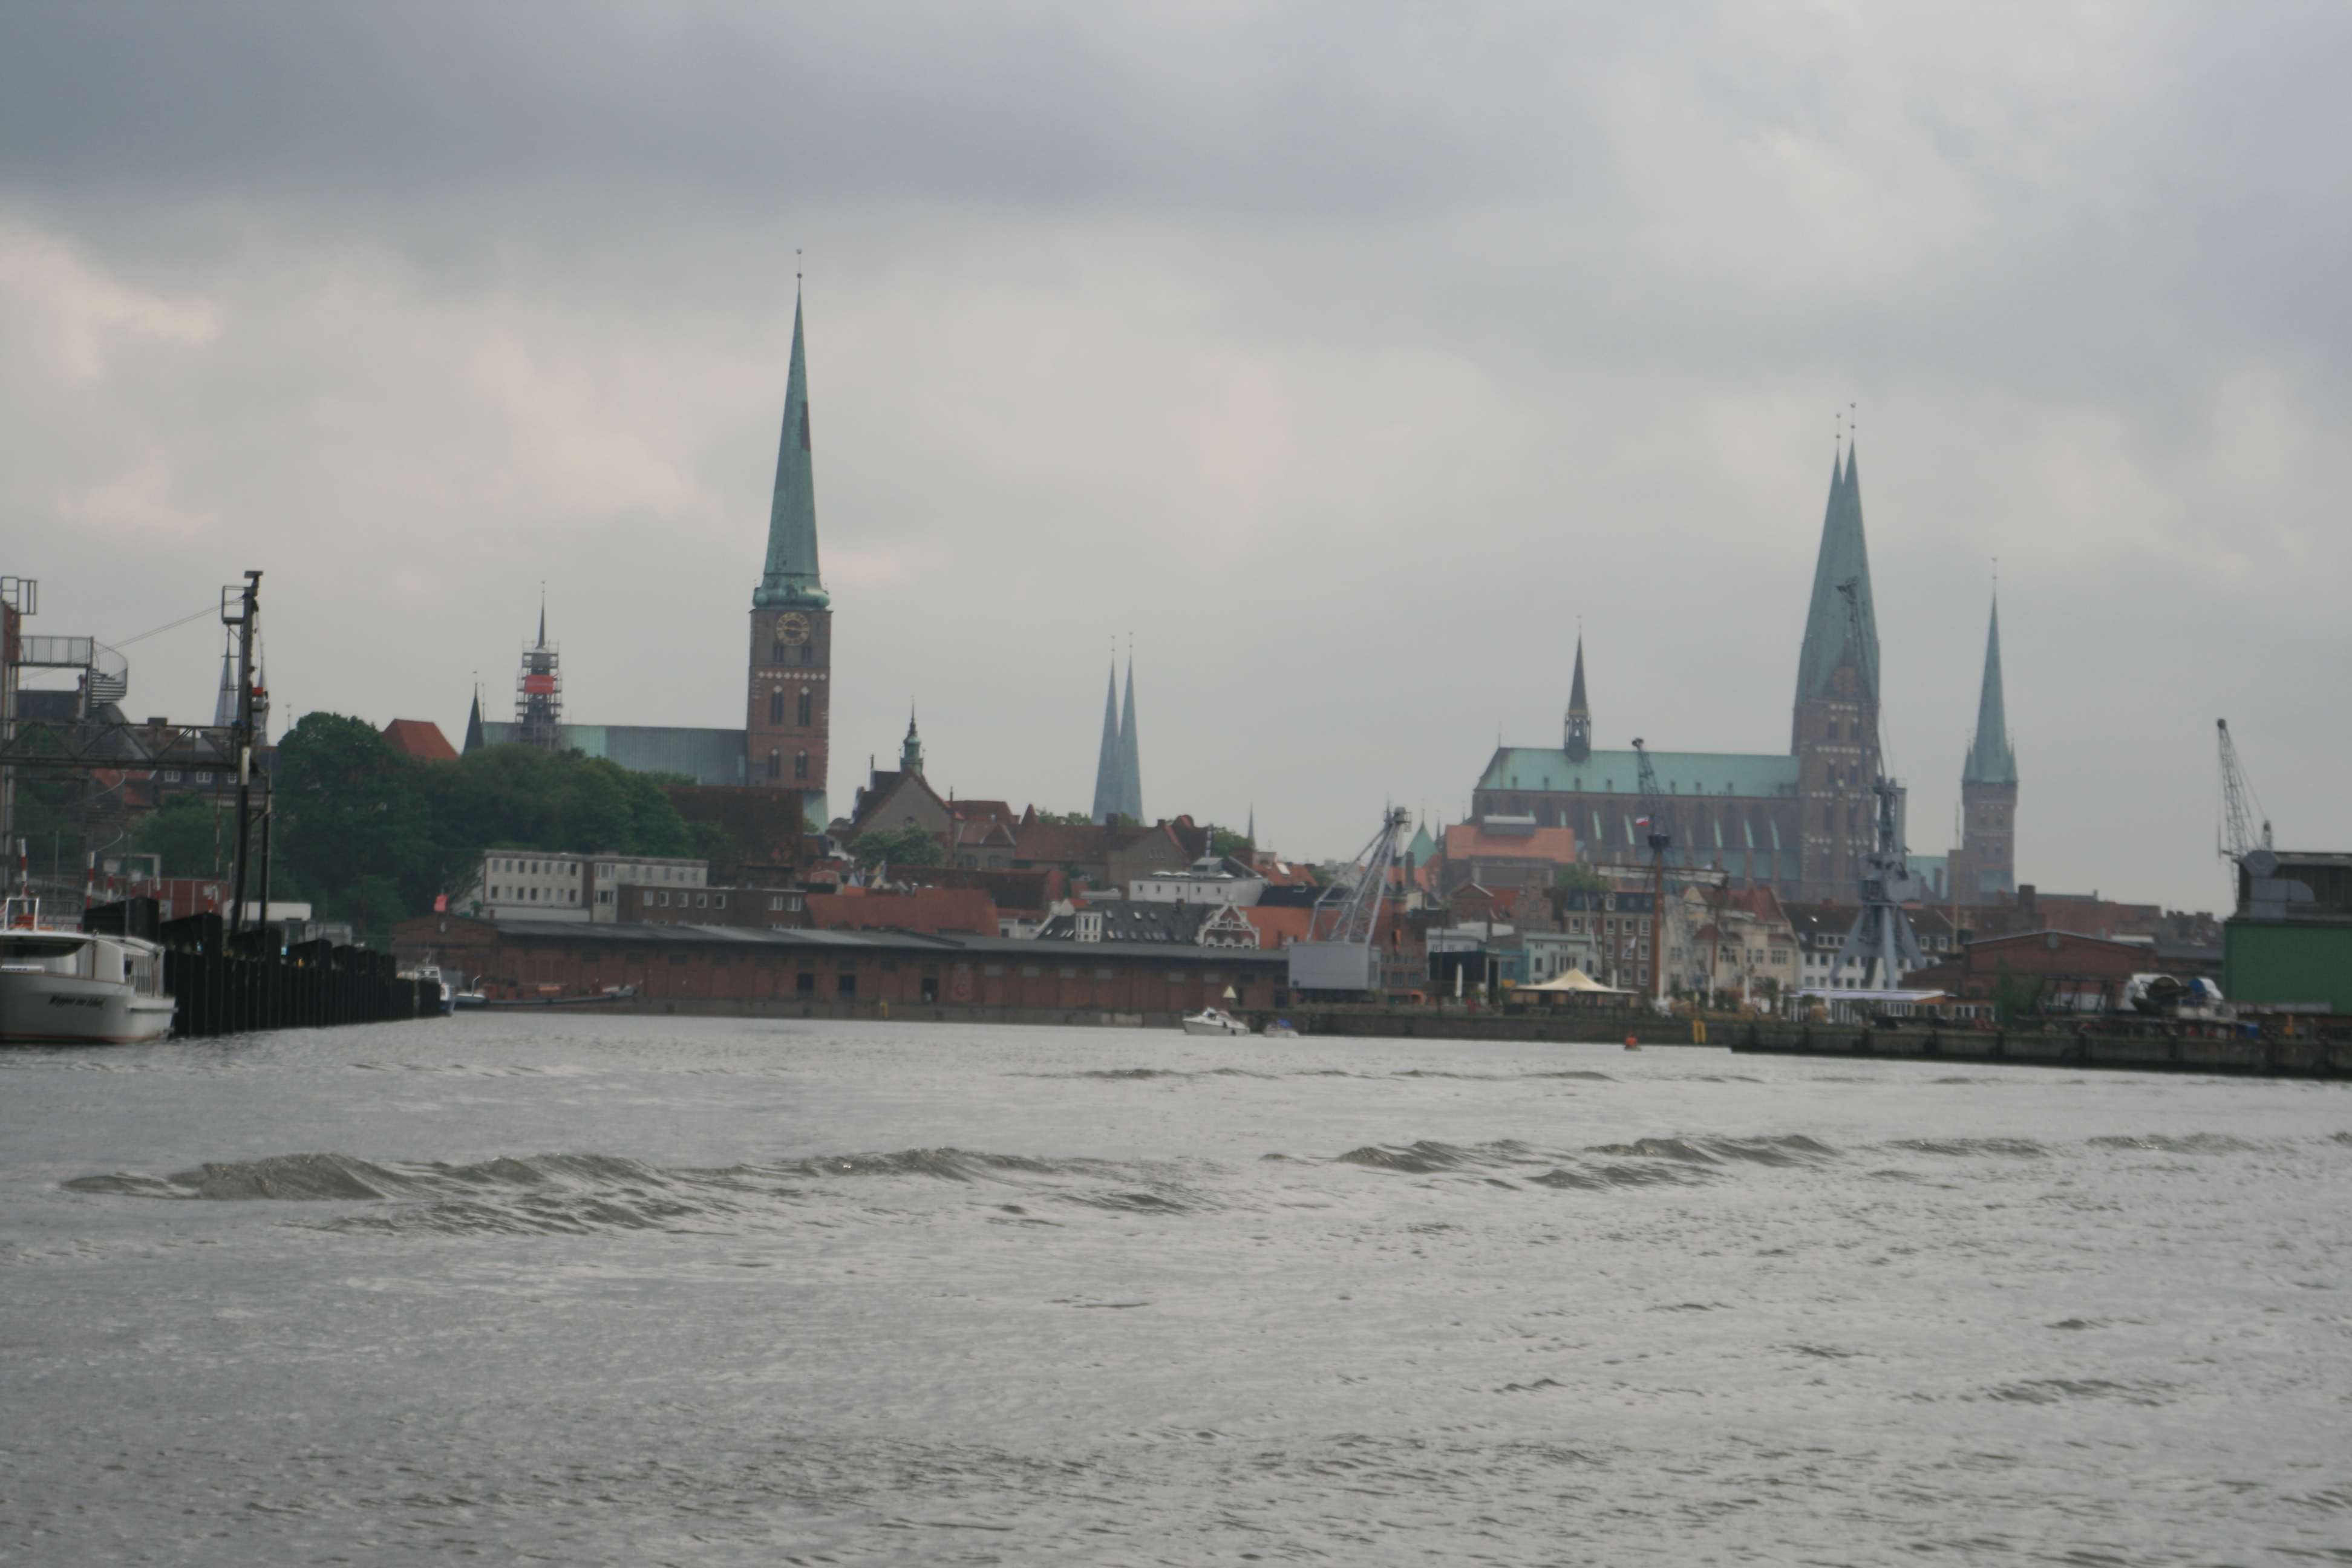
629 1292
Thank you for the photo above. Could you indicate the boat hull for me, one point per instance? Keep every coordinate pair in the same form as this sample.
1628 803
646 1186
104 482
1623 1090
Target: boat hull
67 1010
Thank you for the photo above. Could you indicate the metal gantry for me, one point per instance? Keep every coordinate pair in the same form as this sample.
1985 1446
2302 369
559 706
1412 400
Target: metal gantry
1338 953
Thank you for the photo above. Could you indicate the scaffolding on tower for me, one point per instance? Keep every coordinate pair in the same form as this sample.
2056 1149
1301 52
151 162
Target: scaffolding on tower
539 693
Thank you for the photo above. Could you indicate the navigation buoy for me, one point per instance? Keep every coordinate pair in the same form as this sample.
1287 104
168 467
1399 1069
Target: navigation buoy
1633 1042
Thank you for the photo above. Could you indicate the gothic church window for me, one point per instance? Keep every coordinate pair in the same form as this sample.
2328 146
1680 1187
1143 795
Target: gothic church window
776 707
775 764
800 765
804 705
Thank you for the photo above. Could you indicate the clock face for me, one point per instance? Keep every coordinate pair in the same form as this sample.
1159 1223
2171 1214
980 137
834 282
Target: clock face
793 628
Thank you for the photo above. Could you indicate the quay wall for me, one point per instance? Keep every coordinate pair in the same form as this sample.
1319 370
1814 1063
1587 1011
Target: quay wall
2149 1051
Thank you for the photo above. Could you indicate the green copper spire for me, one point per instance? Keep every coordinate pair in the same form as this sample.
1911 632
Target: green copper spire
1130 766
1844 558
790 574
910 751
1578 738
1990 760
1107 765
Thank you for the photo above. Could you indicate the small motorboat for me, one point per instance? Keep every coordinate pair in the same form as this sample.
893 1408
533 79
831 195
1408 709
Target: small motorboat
59 986
432 972
1212 1021
1279 1029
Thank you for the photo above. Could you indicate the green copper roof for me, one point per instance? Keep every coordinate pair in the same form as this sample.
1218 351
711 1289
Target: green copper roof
1990 760
1619 773
1844 558
790 576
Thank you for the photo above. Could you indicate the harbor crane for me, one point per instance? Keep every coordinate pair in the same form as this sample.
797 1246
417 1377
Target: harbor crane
2236 835
1338 952
1882 943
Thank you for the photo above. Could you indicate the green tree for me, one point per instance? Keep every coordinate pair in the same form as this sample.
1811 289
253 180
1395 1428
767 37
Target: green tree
1222 841
195 838
899 847
2014 996
708 841
352 825
1579 879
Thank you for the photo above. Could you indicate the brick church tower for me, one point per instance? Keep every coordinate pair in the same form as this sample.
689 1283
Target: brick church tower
1985 864
1835 734
789 711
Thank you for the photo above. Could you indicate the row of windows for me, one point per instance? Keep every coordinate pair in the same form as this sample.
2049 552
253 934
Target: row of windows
776 707
792 653
776 764
658 898
536 867
533 895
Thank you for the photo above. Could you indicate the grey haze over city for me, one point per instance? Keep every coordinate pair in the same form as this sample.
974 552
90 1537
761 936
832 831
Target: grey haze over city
1348 358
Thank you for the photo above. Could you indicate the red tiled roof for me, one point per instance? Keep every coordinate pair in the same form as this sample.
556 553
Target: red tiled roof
421 739
1468 841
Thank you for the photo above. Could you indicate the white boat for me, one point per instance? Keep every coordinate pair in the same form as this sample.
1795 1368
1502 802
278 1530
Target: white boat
433 972
61 987
1209 1021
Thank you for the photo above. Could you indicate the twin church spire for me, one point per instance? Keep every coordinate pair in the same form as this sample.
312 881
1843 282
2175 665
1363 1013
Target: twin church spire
1840 632
1118 771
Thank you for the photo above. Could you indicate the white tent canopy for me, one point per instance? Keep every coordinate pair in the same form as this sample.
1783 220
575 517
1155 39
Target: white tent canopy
1576 981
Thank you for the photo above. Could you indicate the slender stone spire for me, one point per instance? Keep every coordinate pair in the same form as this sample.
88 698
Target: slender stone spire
1130 766
1844 558
1991 759
1579 729
474 723
1106 790
790 575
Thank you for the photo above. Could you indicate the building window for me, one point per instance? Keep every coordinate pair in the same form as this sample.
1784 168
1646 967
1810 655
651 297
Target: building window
992 971
776 706
719 901
805 984
845 986
800 765
1030 971
701 901
804 707
775 764
1068 973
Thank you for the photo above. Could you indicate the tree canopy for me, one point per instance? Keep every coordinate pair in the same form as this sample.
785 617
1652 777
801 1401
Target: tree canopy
898 847
372 836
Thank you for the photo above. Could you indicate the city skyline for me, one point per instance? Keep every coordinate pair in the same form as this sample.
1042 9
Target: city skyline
1449 378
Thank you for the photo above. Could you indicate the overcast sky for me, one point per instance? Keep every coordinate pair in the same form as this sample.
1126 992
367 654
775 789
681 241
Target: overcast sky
1346 356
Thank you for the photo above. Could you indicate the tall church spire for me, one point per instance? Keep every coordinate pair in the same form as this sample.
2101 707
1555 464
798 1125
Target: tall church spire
1829 629
1106 764
1578 739
1130 766
790 576
1990 760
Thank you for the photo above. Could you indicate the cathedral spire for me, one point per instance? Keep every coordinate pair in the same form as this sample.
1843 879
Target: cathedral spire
1577 741
1844 558
1991 759
1130 766
790 576
1106 790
